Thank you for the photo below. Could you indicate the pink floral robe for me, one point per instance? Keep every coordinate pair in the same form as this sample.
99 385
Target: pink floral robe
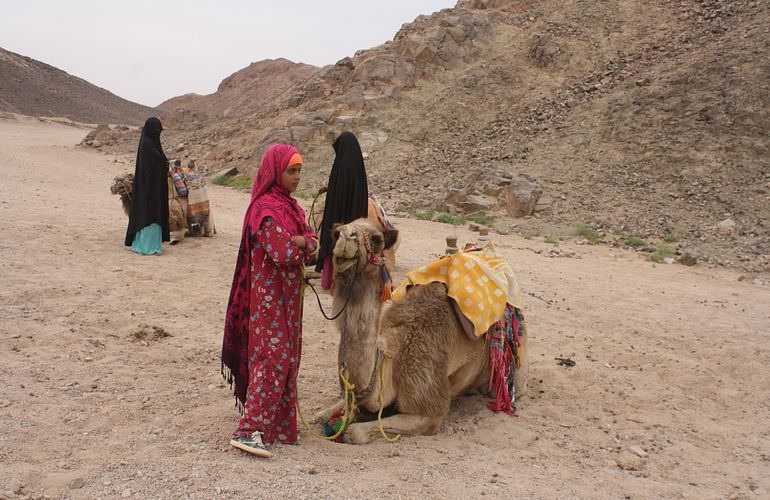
275 333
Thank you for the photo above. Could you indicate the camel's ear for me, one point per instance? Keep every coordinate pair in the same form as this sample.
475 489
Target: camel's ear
391 235
336 231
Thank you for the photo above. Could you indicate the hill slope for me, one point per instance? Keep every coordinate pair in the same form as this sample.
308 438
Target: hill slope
30 87
246 91
639 118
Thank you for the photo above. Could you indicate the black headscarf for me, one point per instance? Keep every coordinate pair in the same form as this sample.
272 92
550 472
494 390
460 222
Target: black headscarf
150 192
348 196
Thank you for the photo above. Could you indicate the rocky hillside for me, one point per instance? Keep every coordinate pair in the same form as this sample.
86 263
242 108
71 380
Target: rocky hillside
246 91
33 88
638 119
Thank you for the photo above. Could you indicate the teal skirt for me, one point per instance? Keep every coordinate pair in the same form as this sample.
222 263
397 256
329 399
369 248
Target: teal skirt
148 241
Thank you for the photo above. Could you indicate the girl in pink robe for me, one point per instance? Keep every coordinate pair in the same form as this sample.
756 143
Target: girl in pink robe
263 327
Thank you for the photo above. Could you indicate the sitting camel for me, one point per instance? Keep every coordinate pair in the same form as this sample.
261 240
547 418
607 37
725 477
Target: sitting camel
428 359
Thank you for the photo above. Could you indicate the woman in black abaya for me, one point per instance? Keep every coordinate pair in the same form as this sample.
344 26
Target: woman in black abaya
346 198
148 220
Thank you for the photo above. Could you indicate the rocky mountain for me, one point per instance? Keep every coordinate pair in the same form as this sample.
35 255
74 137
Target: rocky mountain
643 119
30 87
246 91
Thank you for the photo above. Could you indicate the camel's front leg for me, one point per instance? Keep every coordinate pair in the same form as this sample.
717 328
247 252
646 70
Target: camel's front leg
324 415
402 423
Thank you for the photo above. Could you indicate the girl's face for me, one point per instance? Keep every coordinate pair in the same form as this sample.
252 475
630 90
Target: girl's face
291 176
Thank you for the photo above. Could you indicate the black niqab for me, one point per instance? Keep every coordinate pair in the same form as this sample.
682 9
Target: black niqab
150 191
347 198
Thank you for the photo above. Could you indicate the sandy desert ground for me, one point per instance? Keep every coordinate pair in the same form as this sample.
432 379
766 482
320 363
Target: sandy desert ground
669 397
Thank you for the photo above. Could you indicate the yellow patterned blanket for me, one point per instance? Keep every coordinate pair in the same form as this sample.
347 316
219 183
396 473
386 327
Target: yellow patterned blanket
481 282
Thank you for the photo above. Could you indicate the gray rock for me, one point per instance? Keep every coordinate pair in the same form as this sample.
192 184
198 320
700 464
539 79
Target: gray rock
478 203
638 451
689 257
485 190
371 140
227 172
543 50
389 69
627 461
521 196
277 136
345 61
77 483
301 134
726 226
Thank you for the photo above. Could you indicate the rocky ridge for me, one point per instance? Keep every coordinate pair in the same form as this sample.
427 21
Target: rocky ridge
644 119
246 91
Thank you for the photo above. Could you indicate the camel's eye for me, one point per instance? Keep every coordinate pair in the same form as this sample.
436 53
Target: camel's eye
353 236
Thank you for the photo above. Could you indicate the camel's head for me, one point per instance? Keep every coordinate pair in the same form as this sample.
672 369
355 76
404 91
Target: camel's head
359 244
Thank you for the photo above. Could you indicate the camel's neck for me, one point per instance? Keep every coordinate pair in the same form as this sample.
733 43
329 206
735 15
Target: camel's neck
359 324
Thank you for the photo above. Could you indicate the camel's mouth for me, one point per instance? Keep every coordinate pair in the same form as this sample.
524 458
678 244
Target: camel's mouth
342 264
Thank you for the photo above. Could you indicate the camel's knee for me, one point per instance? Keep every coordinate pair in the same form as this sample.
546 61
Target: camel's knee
359 434
433 424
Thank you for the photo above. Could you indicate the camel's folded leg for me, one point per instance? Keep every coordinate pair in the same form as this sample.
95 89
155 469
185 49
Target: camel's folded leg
402 423
325 414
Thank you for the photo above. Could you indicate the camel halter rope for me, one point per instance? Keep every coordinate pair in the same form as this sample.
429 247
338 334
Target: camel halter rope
312 211
347 298
350 404
371 258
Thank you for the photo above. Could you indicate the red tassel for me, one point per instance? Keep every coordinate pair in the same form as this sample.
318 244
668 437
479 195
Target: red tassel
387 293
500 362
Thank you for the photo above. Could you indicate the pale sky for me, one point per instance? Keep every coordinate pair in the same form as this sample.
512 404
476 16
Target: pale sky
150 50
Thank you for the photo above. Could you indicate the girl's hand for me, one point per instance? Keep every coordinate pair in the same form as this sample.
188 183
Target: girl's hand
299 241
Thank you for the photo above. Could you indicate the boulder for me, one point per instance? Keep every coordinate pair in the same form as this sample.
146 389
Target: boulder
227 172
99 136
371 140
726 226
346 62
301 134
481 4
478 203
314 119
521 196
277 136
386 68
420 49
502 229
689 257
457 33
351 102
543 50
495 190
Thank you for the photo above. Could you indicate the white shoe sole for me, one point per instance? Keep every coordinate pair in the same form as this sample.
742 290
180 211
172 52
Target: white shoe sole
248 449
